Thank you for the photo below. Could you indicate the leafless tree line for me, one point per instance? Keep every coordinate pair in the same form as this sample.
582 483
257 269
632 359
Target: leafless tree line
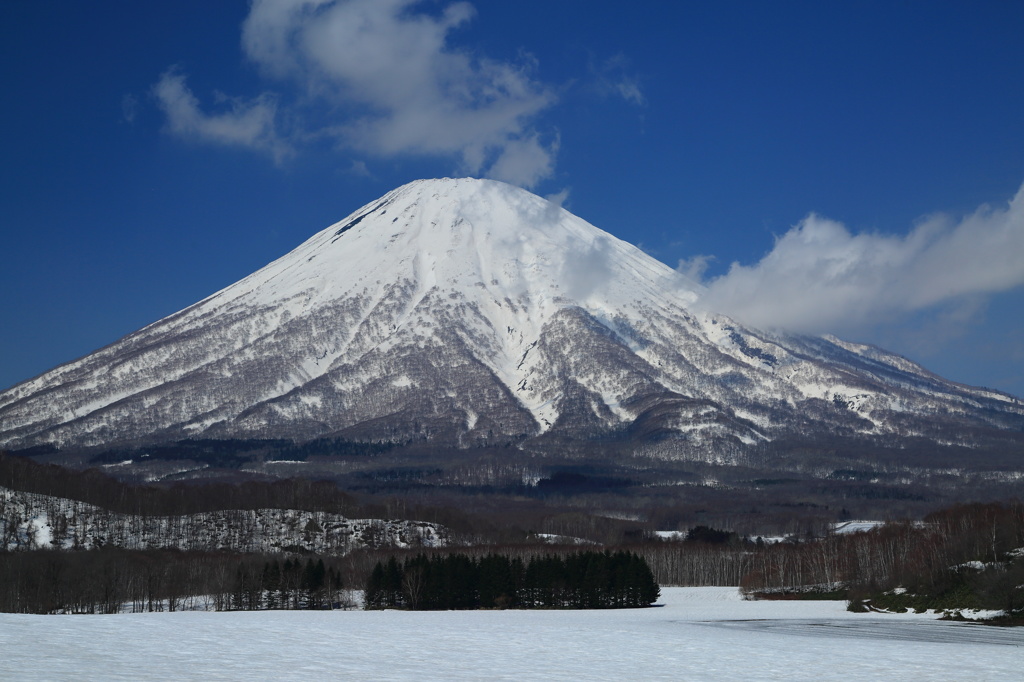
924 556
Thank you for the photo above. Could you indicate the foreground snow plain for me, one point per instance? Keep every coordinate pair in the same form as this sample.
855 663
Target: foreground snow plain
697 634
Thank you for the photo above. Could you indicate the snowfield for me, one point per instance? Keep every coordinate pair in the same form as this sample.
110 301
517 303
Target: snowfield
698 634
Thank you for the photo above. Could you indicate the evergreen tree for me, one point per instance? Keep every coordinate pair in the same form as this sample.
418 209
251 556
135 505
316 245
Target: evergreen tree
374 593
271 584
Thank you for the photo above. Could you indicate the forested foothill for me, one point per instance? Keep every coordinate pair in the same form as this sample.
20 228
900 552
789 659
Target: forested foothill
779 487
775 544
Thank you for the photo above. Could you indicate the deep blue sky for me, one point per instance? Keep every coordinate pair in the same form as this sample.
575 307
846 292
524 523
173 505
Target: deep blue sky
151 156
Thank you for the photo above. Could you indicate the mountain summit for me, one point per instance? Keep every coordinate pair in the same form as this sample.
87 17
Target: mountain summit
472 313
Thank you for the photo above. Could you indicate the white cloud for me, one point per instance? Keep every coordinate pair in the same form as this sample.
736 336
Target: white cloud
360 169
553 211
586 270
820 277
129 107
609 79
244 124
559 199
388 73
695 267
524 162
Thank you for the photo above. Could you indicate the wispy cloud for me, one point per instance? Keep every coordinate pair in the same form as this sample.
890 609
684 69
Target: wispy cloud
242 123
524 162
380 79
392 84
129 108
586 270
360 169
610 78
694 268
820 277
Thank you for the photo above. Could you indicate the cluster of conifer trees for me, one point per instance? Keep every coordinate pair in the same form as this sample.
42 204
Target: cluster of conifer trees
291 585
584 580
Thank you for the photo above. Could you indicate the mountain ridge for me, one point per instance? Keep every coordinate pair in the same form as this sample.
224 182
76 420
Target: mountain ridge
472 313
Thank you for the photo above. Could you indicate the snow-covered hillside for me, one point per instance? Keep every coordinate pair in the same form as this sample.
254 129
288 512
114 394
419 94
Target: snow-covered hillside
32 521
470 312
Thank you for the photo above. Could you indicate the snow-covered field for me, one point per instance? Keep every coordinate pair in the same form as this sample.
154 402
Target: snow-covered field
699 634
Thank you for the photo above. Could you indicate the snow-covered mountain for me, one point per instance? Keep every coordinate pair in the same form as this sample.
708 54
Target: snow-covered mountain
469 312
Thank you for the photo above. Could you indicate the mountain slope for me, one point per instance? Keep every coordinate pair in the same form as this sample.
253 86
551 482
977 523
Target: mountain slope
469 312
